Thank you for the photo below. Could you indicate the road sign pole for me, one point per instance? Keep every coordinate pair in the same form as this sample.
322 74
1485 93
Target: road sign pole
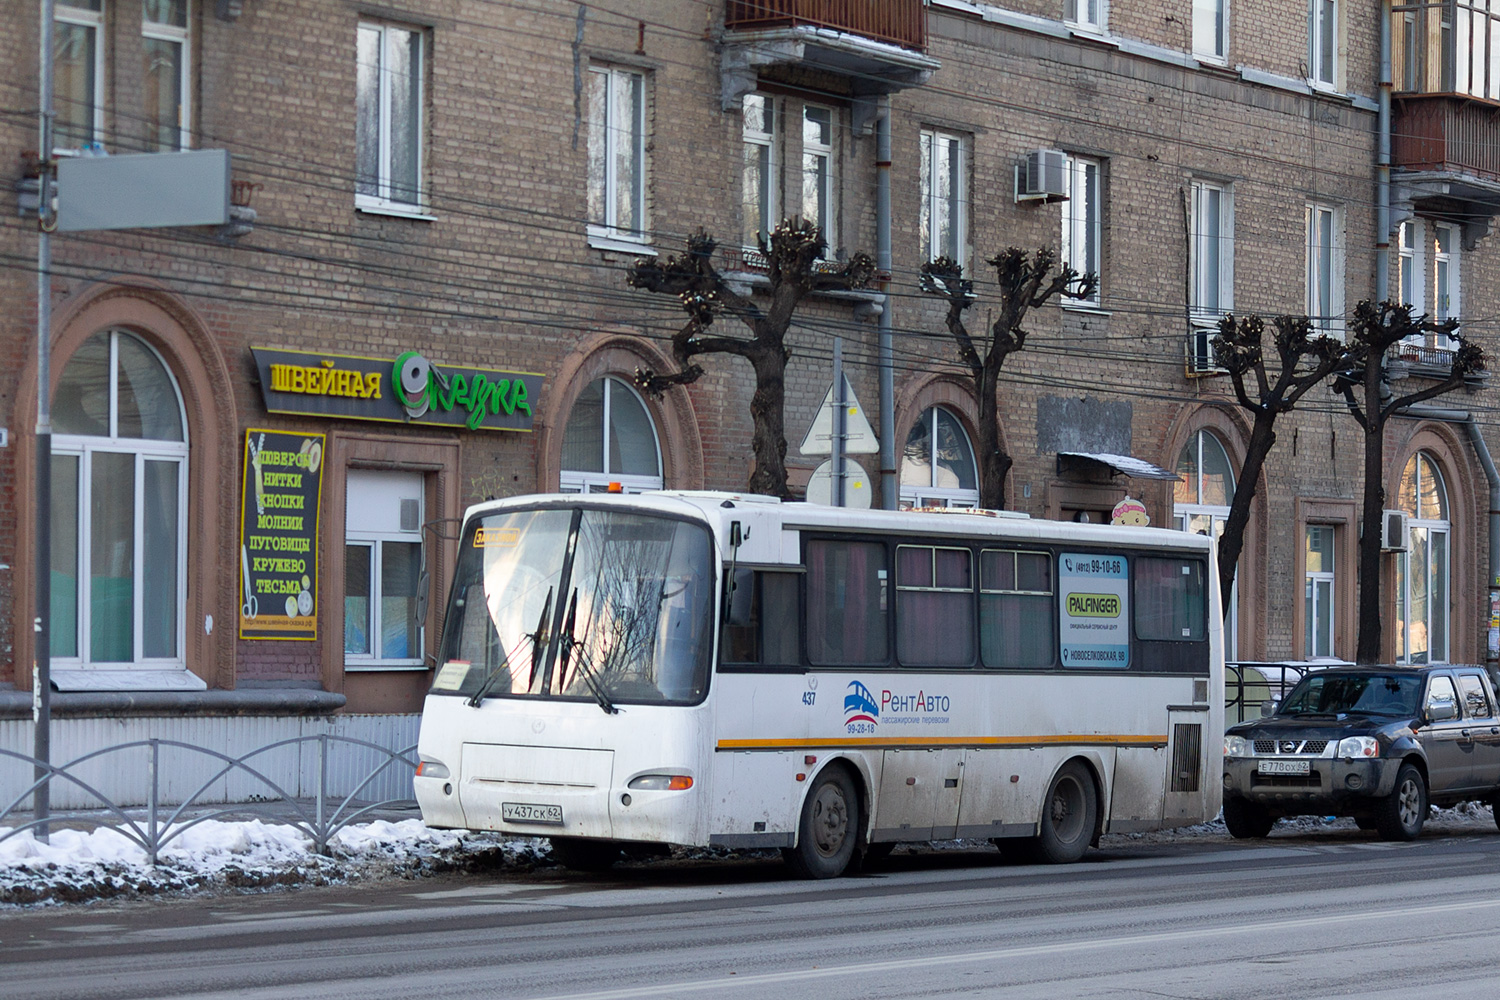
840 415
41 704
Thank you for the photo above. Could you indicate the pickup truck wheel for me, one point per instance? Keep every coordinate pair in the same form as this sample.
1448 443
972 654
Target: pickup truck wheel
1068 814
1400 815
1246 820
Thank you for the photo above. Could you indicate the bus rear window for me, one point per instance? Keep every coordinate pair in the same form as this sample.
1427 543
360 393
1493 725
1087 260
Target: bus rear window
1170 601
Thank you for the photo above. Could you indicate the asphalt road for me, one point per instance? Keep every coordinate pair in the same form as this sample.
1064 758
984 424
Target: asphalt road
1305 915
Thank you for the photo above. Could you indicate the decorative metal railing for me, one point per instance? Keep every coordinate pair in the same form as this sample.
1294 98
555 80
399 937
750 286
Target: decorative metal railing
899 22
320 817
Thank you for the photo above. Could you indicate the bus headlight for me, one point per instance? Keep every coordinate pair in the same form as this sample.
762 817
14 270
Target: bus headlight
431 769
661 783
1236 746
1359 746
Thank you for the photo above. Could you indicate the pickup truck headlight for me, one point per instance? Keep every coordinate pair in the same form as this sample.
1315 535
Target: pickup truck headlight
1359 746
1236 746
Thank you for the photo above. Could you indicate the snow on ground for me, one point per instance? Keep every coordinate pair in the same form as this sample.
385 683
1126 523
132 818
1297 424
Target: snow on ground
219 856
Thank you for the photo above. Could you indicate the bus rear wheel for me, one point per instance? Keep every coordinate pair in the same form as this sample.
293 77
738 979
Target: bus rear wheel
828 829
585 855
1068 815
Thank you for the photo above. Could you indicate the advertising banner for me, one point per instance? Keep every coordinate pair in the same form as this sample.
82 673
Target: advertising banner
1094 591
279 508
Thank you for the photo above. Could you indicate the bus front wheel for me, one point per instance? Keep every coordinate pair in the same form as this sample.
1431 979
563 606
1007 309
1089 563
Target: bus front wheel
1068 816
828 829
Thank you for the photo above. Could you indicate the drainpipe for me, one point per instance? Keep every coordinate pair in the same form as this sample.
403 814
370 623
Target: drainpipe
1482 451
883 273
1383 165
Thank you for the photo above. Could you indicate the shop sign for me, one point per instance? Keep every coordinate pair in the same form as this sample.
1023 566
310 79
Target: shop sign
406 389
279 506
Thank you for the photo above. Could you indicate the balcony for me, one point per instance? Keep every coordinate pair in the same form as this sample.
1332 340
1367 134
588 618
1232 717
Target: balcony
1445 149
895 22
860 48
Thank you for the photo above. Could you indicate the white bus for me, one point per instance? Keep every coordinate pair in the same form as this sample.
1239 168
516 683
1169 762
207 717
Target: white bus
720 669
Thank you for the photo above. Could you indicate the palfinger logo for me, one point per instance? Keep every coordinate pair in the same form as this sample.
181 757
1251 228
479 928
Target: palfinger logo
861 712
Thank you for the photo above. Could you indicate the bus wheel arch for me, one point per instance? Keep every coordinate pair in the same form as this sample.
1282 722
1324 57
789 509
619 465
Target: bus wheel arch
829 823
1069 819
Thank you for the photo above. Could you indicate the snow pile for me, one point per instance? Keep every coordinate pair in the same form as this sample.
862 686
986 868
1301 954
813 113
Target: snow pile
223 856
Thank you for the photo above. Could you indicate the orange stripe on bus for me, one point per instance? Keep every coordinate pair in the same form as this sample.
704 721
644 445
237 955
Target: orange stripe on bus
947 741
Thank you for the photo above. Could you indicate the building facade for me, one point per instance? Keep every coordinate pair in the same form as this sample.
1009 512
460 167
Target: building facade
263 432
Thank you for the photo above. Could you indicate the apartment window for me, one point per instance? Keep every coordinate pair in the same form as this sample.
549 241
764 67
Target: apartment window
1084 13
77 71
610 439
1409 267
388 124
937 464
164 45
1211 29
1445 250
945 196
1211 220
617 153
1325 270
382 568
1201 501
1422 572
119 497
759 205
819 172
1318 591
1323 38
1083 226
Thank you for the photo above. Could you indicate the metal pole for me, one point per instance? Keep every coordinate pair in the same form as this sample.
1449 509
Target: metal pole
41 679
888 491
840 421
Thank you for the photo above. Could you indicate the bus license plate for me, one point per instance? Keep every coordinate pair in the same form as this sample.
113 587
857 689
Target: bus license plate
1284 767
531 812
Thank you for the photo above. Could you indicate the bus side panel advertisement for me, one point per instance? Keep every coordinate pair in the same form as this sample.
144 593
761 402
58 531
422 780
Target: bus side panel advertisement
279 508
1094 610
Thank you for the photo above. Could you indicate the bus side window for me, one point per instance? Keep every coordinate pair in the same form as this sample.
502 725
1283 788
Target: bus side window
847 603
1017 612
769 634
1170 600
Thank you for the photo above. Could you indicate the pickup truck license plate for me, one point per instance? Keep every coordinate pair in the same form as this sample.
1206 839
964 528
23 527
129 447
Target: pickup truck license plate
531 812
1283 767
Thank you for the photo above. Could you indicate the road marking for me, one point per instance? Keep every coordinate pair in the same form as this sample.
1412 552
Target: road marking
1403 913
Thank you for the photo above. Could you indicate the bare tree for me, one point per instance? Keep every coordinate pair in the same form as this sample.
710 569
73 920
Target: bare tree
1026 282
1302 361
1374 331
796 269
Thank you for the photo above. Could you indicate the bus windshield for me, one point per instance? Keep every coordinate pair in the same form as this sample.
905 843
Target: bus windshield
606 605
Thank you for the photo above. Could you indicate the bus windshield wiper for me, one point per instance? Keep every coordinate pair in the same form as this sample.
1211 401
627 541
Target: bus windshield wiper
584 667
536 638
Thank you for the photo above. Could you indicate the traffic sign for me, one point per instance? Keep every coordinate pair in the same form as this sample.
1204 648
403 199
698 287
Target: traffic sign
859 437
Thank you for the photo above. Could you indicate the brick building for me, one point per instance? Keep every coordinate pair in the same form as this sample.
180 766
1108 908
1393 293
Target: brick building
462 185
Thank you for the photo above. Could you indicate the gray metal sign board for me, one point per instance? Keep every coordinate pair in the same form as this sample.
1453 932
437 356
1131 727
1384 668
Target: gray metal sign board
143 190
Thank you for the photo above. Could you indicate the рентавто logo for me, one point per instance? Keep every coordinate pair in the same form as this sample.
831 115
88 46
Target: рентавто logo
861 713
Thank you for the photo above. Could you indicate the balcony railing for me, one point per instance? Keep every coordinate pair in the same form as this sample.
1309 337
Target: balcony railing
899 22
1446 132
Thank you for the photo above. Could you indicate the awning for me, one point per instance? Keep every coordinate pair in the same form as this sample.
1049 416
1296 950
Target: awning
1120 465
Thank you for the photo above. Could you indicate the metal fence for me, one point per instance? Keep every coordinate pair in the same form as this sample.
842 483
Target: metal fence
170 809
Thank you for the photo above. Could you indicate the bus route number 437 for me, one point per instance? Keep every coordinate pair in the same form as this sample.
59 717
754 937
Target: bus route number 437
531 812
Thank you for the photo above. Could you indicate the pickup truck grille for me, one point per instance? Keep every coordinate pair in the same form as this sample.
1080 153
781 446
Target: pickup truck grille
1270 748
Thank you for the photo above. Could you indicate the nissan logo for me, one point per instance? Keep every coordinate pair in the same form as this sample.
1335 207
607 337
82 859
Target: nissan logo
1288 746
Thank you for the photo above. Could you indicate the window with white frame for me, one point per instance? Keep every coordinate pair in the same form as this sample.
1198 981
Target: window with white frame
164 43
1200 504
1409 265
944 212
1445 284
937 464
77 71
1323 42
610 442
1083 223
1087 14
119 501
1325 269
617 153
1429 255
389 116
759 199
1211 221
382 568
1422 572
1318 591
820 172
1211 29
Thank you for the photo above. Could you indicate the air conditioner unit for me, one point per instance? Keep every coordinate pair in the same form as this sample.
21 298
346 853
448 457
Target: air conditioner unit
1200 352
1394 536
1042 176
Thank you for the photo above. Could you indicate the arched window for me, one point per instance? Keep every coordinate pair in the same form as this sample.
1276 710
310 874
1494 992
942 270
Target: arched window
119 493
610 438
1200 503
1422 572
937 467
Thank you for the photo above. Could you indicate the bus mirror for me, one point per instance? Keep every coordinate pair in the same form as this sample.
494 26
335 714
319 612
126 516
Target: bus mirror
740 597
